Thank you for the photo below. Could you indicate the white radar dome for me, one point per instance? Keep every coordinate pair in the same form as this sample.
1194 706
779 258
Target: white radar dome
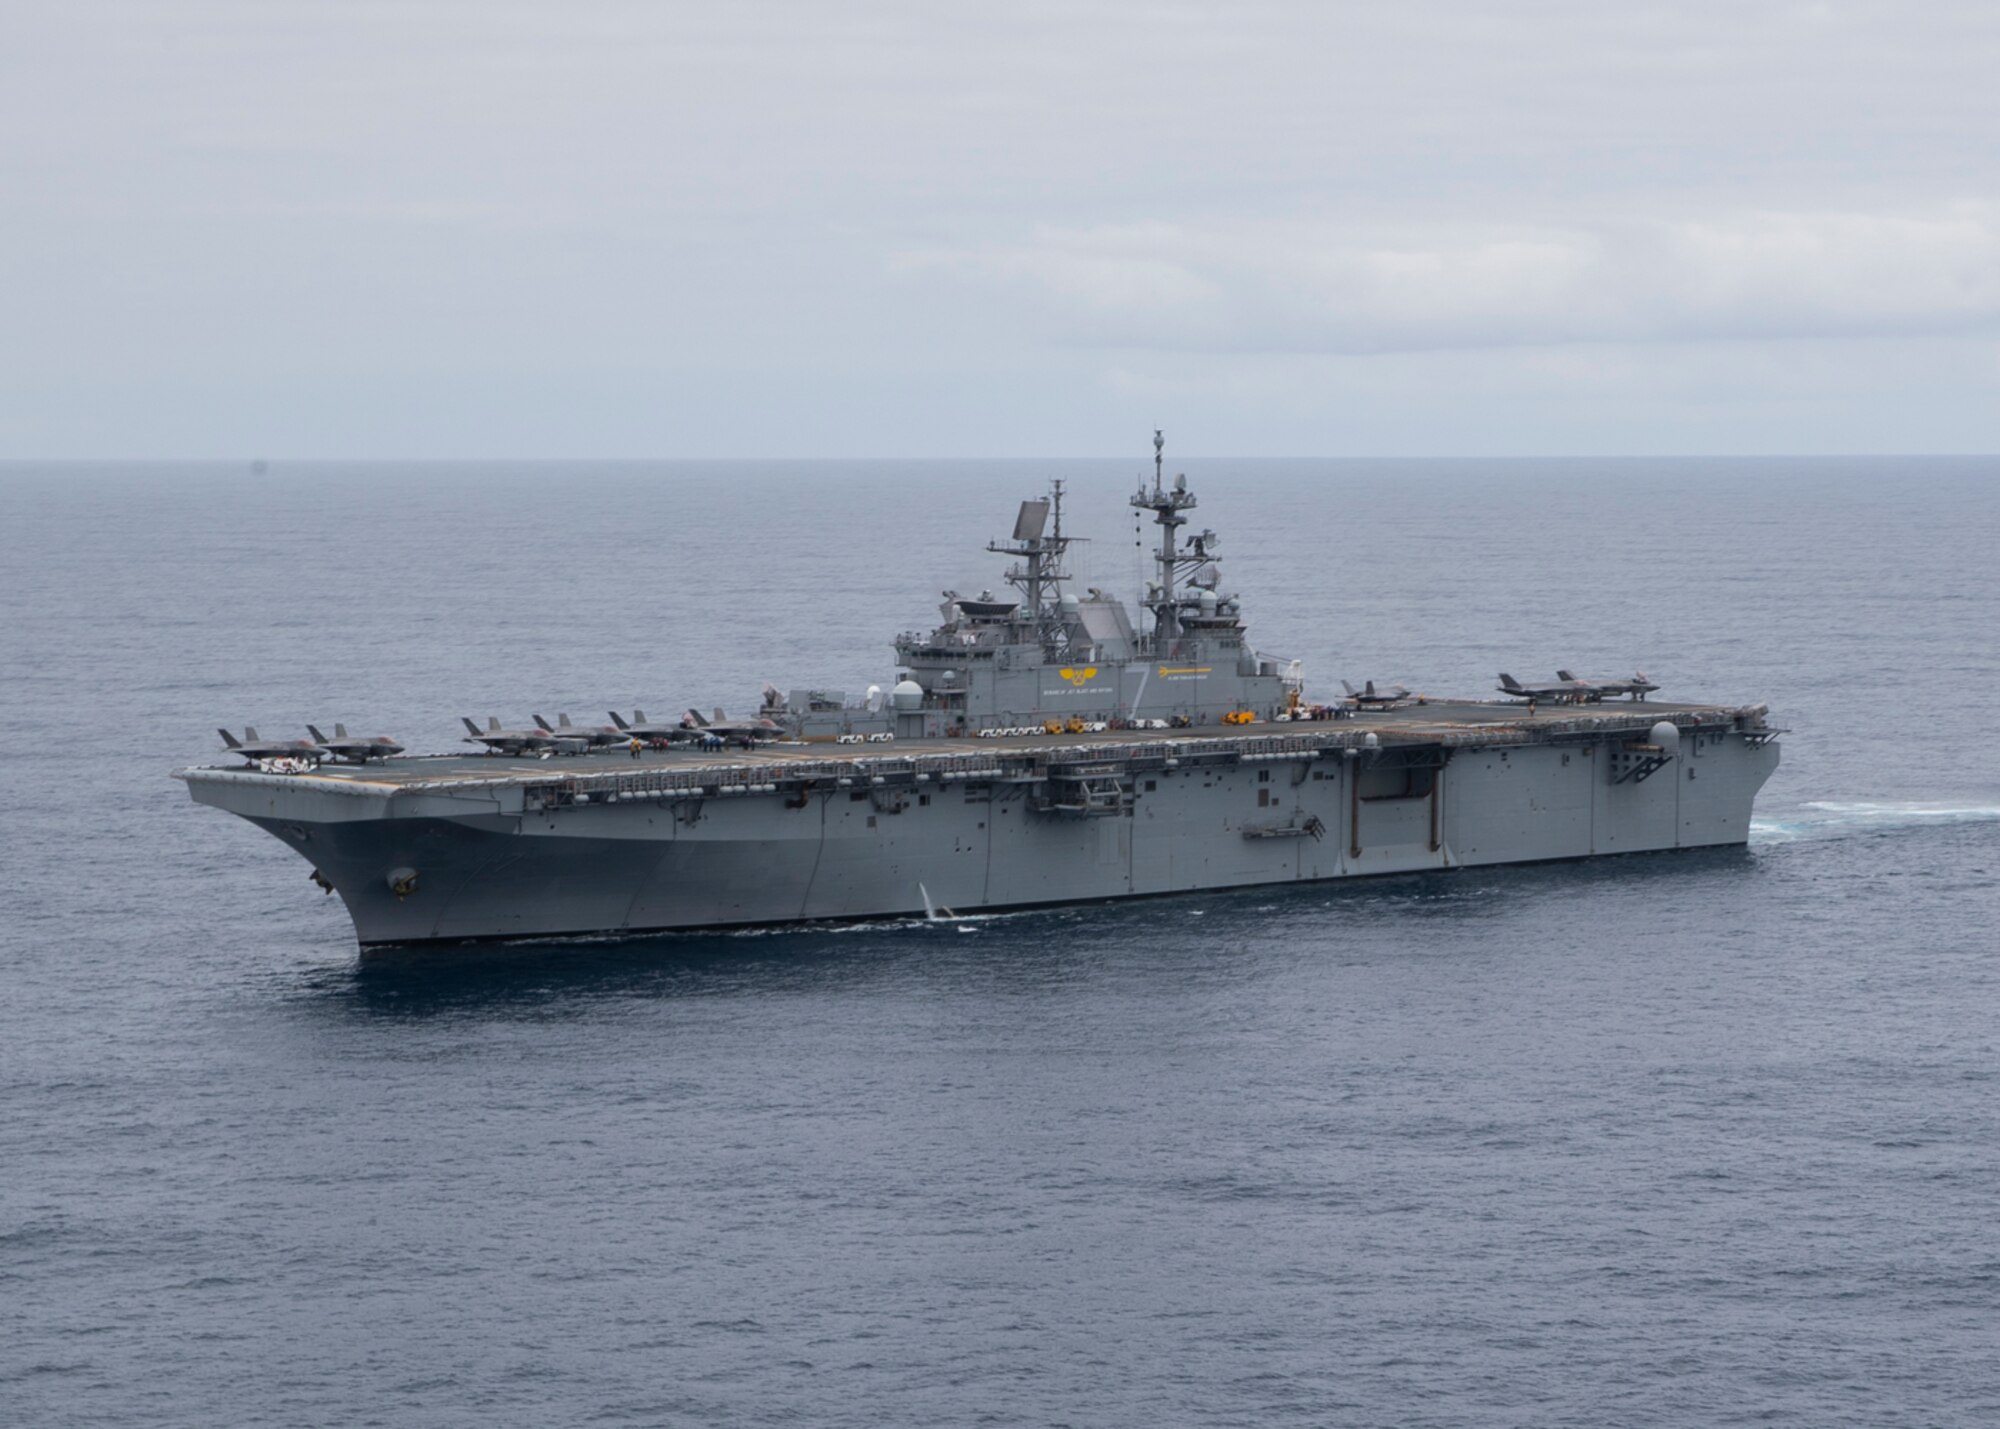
908 695
1667 736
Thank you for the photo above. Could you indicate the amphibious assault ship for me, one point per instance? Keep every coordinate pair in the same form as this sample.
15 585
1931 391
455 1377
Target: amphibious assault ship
1034 749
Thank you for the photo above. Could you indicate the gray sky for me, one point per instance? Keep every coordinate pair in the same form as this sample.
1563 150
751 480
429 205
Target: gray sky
431 228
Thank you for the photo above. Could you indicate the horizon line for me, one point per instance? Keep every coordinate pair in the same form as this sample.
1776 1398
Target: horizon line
234 459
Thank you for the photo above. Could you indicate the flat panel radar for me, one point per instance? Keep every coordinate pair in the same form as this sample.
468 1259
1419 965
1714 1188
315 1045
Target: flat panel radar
1034 518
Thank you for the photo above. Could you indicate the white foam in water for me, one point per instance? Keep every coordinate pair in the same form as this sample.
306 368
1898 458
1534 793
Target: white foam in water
1833 819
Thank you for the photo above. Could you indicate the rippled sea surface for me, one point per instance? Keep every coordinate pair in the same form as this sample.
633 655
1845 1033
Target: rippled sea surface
1709 1138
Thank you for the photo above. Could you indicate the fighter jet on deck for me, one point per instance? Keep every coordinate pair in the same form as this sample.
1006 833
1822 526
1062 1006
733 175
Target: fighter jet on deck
1638 687
1368 697
594 736
520 741
357 749
652 732
724 728
1563 692
254 749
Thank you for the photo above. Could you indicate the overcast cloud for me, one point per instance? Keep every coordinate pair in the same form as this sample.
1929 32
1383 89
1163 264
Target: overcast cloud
492 229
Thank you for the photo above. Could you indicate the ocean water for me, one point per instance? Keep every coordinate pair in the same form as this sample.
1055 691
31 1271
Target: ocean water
1709 1138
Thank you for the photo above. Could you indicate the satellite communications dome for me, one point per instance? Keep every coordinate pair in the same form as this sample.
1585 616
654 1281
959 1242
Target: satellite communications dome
908 695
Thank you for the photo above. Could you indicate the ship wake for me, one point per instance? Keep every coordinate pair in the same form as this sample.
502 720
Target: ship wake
1839 819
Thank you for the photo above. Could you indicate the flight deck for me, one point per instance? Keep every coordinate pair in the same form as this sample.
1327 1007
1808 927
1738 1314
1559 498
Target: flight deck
1435 724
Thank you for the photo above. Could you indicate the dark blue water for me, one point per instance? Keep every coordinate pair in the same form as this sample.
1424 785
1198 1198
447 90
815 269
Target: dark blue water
1698 1139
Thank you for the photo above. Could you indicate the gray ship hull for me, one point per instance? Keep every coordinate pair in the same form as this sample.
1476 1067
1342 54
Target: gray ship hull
469 849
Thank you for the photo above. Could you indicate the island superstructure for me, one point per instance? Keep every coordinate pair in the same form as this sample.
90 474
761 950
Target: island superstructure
1033 749
1018 662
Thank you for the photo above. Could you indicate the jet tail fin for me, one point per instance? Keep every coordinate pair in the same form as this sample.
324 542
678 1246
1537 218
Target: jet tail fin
1508 682
249 734
618 719
698 722
493 724
1349 688
318 738
470 727
720 717
1564 675
543 724
339 730
229 739
562 719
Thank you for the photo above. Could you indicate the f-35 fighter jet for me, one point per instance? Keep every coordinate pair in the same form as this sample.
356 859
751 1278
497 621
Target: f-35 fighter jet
724 728
594 736
1562 692
650 731
355 749
536 741
254 749
1368 697
1638 687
